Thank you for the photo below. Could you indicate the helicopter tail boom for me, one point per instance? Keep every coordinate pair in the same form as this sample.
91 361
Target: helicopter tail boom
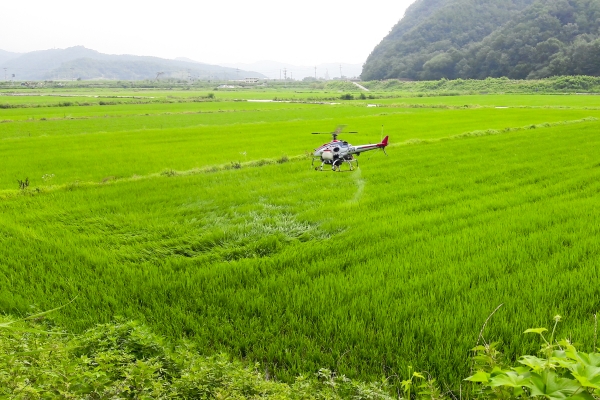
367 147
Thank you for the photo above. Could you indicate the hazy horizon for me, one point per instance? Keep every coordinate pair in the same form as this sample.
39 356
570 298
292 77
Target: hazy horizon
233 33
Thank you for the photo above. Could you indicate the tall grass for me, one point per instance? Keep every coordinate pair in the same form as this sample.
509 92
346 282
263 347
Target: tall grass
125 145
362 274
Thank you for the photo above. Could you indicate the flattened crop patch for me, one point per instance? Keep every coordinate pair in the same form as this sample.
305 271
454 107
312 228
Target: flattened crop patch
231 236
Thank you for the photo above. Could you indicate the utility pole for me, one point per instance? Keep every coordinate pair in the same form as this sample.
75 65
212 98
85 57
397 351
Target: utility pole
285 74
315 73
341 71
237 73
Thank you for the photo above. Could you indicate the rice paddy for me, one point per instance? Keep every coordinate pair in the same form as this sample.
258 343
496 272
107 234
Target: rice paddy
205 220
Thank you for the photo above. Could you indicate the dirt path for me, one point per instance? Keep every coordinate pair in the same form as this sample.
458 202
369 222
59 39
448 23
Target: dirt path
360 86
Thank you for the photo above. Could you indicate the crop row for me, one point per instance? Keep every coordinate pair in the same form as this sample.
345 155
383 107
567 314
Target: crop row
78 149
396 264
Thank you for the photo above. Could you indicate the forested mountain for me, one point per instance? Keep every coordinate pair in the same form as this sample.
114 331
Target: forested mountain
490 38
80 62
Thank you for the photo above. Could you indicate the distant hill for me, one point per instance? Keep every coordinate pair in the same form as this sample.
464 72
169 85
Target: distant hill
7 55
80 62
518 39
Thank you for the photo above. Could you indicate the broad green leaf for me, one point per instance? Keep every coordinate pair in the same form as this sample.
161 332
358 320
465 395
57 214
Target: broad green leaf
559 354
562 358
406 384
509 378
518 391
521 370
551 386
479 376
582 395
497 370
565 363
591 359
587 375
539 331
594 359
533 362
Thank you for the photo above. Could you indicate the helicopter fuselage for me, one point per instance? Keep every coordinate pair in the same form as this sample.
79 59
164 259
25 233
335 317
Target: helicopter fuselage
338 151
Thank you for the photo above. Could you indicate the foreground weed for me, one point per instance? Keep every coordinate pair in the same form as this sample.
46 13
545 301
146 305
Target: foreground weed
418 385
561 371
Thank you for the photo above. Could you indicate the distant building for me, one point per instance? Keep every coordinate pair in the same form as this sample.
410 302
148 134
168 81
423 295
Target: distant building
251 80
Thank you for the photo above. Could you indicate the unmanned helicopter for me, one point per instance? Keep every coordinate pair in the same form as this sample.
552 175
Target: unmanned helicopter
339 152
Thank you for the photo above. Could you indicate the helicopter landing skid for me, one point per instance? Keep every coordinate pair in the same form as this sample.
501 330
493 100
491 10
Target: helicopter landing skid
336 165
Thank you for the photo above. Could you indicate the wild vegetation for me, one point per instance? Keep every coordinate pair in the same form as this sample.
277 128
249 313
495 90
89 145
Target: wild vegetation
476 39
205 221
125 360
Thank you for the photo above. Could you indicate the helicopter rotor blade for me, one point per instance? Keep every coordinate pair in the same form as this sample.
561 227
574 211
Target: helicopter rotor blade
329 133
339 129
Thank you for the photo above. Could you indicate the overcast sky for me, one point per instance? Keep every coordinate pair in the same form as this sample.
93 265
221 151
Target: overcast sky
308 32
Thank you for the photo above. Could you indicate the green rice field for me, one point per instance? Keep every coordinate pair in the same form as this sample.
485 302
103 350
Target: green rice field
205 220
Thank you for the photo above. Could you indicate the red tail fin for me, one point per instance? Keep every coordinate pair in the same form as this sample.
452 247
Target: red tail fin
384 142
